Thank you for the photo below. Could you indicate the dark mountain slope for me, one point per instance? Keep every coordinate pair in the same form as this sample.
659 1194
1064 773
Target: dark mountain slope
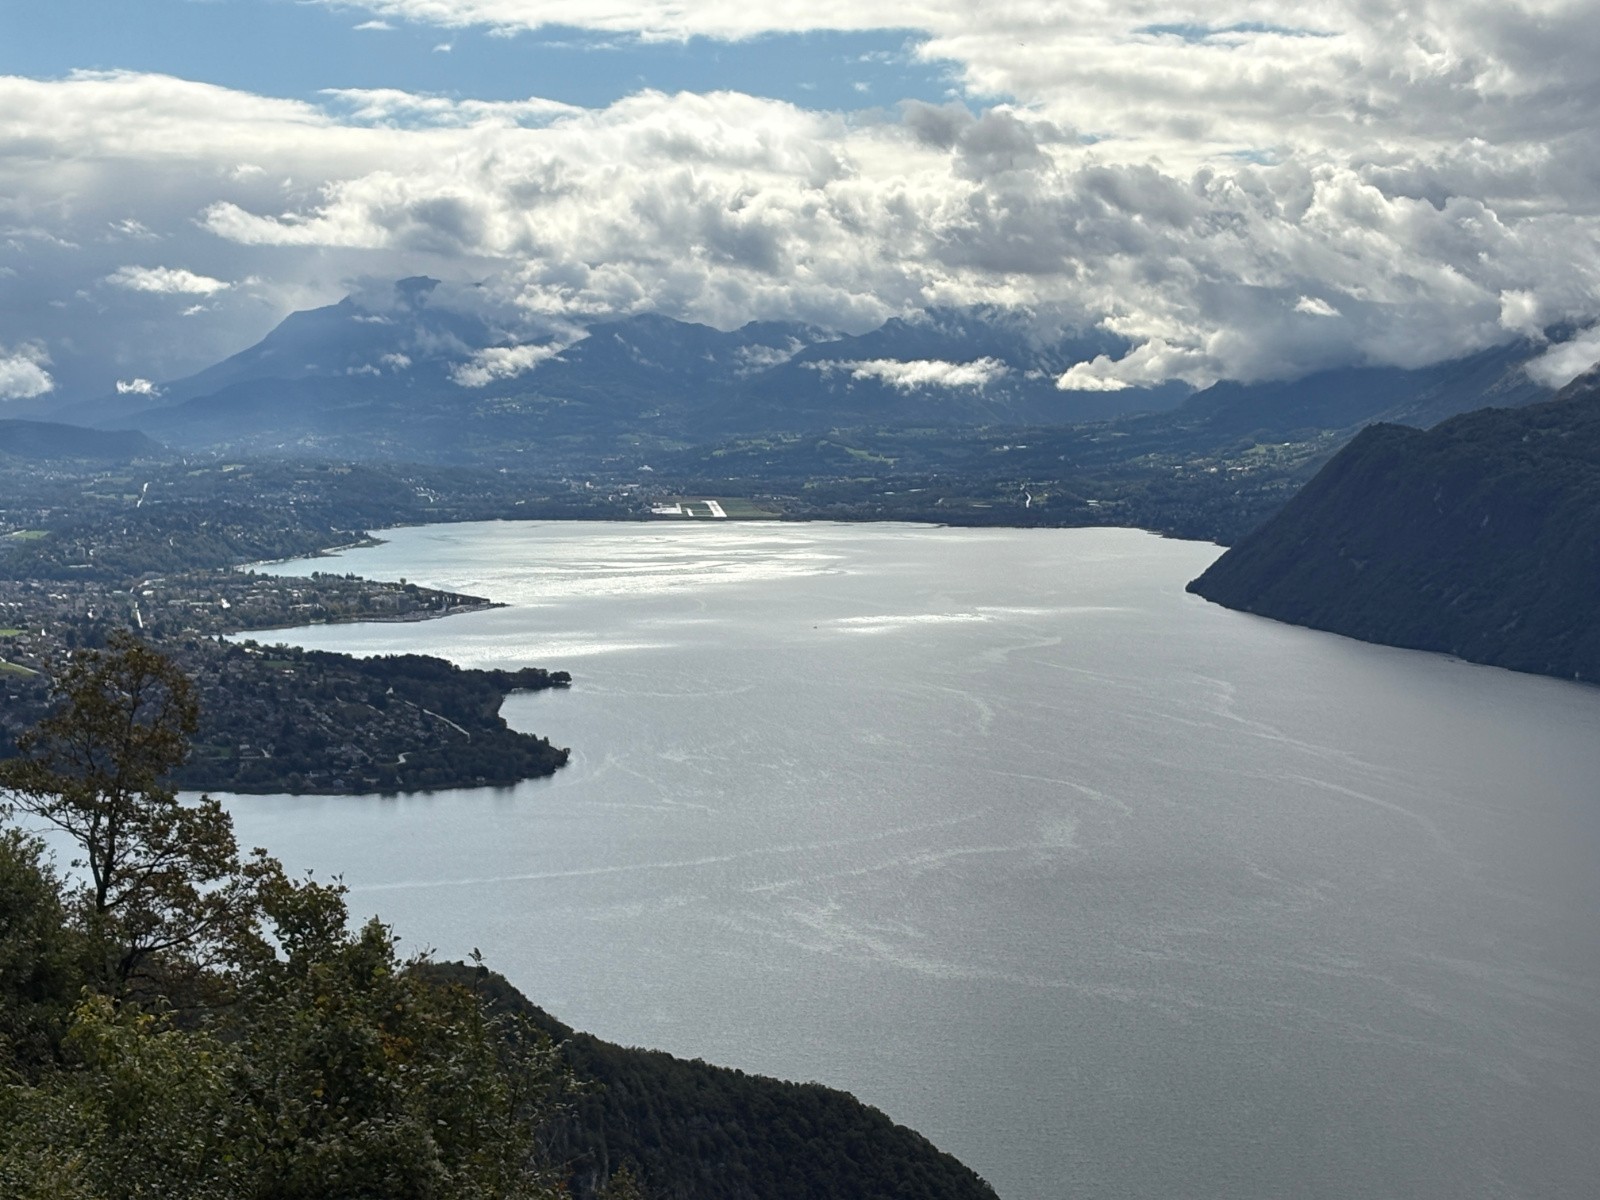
335 416
692 1131
1479 538
47 439
822 385
1349 397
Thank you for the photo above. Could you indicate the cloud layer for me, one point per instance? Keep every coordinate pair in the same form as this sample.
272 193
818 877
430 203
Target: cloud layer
502 362
165 281
1245 191
920 373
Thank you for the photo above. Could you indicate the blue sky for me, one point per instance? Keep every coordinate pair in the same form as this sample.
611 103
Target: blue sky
1237 188
283 48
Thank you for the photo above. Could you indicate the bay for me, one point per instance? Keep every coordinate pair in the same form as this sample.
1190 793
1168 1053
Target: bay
1107 890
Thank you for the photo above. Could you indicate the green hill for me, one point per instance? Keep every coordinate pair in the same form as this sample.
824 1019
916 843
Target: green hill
48 439
692 1131
1478 538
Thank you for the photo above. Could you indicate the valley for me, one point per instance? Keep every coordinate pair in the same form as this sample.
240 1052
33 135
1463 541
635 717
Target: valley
1019 577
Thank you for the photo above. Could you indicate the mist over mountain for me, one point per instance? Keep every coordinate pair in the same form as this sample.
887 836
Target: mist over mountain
1350 397
355 339
409 375
416 370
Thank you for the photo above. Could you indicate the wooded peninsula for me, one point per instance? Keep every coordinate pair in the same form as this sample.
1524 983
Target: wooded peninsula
87 552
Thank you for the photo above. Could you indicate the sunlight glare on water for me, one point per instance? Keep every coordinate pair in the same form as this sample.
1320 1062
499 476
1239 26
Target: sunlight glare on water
1108 891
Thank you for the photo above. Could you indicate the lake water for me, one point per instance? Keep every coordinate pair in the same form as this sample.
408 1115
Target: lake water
1107 890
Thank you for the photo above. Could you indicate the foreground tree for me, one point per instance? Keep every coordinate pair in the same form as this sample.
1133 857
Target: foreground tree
42 960
162 877
335 1069
402 1086
339 1071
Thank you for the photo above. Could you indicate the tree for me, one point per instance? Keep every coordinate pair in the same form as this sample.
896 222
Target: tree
41 959
336 1069
365 1075
144 1111
340 1072
162 876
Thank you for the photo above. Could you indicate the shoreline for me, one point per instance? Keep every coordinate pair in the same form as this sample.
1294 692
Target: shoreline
376 619
324 552
476 603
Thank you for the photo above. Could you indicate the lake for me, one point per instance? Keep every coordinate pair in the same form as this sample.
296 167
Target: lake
1109 891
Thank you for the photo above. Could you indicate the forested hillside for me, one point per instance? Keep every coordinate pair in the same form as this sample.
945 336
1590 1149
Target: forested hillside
49 440
692 1131
1479 538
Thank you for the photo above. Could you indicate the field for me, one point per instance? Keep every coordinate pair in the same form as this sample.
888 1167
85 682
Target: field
707 508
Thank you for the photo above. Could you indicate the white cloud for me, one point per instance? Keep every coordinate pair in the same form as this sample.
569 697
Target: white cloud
1153 362
375 26
166 281
379 105
1091 377
1183 175
137 230
1520 312
501 362
920 373
653 19
1247 76
137 387
1561 364
1314 307
753 359
22 372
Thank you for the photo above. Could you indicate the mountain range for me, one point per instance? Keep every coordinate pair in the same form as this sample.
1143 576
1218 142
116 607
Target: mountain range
416 377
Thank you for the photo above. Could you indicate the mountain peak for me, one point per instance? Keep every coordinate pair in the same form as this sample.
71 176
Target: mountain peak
414 290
